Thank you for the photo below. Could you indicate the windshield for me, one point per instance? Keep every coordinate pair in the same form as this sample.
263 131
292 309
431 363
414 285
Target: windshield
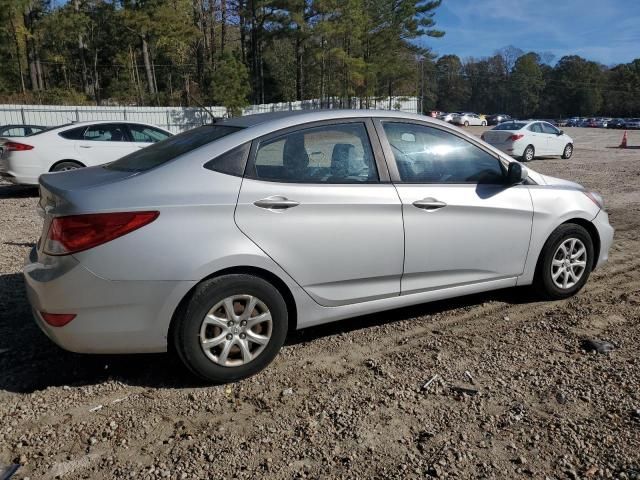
510 126
166 150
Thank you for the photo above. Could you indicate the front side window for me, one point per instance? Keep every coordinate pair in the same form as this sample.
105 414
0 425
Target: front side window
338 153
145 134
548 128
105 133
430 155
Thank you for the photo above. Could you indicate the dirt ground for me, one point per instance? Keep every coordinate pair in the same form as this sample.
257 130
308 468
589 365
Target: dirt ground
514 397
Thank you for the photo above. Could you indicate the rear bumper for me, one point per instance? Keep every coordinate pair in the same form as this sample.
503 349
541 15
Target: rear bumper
111 316
605 231
25 175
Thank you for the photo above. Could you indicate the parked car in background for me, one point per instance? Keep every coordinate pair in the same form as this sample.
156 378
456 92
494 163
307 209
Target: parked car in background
71 146
20 130
616 123
549 120
498 118
574 122
632 123
529 139
602 122
468 119
216 242
448 117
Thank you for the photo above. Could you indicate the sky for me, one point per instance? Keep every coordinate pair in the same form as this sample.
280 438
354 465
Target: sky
607 31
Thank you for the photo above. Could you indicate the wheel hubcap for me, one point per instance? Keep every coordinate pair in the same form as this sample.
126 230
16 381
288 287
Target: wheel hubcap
236 330
569 263
529 155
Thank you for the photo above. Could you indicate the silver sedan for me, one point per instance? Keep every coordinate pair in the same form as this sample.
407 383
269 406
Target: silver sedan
218 241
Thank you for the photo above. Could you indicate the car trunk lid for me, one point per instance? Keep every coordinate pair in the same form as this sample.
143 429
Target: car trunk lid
498 136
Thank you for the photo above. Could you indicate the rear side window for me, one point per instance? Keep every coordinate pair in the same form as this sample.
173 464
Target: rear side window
166 150
339 153
106 133
231 162
73 134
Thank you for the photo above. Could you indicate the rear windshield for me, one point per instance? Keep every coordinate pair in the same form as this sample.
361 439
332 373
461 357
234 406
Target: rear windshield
510 126
161 152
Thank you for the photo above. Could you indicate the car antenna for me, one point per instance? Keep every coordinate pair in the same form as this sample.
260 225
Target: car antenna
214 119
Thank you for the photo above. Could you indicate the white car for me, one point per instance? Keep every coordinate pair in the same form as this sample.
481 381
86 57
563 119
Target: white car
71 146
529 139
467 119
448 117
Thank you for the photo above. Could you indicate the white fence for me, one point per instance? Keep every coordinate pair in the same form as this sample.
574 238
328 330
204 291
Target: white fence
177 119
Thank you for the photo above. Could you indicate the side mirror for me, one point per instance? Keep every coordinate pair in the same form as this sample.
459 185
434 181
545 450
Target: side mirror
560 132
516 174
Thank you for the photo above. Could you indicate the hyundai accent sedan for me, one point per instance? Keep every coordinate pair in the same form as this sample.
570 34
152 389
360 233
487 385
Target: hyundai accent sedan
529 139
71 146
218 241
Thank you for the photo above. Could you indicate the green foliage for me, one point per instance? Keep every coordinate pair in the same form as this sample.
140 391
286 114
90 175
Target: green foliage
230 86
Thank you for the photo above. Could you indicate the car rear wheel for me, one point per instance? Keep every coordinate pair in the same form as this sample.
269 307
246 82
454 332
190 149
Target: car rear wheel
565 262
528 154
466 123
66 166
232 327
568 151
484 124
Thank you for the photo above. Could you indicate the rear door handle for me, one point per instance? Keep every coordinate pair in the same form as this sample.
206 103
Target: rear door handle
276 202
429 204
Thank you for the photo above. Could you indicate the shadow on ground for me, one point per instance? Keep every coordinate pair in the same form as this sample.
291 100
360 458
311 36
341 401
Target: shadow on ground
29 361
17 191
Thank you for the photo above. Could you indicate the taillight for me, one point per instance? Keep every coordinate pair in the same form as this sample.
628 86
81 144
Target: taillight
76 233
57 319
516 136
17 147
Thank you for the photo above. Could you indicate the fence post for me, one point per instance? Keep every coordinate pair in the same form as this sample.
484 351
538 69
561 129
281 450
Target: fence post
24 122
124 113
168 124
77 115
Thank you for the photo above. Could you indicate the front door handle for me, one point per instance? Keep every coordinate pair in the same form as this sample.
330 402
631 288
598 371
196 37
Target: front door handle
85 146
429 204
277 202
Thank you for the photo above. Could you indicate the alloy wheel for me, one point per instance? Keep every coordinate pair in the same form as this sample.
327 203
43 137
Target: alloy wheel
569 263
236 330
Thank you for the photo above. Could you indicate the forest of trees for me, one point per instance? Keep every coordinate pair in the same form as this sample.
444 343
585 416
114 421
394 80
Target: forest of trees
240 52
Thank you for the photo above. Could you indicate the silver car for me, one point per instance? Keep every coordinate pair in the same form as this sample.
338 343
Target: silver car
216 242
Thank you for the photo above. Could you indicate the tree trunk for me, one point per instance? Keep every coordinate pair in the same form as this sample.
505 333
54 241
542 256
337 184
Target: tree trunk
299 72
18 53
223 24
147 66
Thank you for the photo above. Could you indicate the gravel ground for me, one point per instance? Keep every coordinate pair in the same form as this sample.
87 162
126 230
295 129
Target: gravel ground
514 395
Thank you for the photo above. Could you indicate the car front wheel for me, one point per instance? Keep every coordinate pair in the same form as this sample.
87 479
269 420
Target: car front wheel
568 151
232 327
565 262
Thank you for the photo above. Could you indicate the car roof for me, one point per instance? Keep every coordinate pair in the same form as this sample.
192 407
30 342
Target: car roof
297 117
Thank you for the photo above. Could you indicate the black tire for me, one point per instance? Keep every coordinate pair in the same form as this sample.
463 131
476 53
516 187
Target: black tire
484 124
528 154
544 282
466 124
186 332
568 151
66 166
